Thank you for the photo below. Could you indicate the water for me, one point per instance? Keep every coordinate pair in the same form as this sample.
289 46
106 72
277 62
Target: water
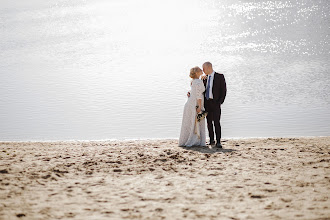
119 69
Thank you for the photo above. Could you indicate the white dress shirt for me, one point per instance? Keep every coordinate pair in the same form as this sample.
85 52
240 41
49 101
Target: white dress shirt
211 84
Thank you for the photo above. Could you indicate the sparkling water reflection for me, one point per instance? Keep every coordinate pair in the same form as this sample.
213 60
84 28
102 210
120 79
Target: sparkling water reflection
119 69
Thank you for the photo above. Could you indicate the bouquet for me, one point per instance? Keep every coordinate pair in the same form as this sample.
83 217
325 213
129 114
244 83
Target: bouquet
201 115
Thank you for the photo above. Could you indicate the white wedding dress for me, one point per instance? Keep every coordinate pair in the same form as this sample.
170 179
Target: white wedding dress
193 132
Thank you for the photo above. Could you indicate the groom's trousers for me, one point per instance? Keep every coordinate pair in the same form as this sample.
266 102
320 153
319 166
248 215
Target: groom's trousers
213 119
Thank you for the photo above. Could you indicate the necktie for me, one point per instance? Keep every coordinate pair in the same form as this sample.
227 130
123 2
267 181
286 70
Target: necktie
208 88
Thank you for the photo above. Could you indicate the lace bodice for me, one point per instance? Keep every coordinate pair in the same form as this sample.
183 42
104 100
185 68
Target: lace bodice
197 89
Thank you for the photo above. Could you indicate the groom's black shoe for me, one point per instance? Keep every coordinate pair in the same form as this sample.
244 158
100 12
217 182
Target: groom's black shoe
219 145
211 143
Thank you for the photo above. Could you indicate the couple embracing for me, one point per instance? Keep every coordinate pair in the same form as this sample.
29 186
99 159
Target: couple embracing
204 99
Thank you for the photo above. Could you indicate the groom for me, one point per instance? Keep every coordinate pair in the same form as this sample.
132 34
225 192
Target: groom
215 94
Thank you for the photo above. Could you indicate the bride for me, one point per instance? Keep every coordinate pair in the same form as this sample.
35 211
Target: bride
192 130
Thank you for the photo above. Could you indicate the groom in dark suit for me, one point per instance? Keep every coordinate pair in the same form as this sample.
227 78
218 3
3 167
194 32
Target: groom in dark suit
215 94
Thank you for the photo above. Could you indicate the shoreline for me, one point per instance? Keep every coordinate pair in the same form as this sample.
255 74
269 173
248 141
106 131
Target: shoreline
152 139
254 178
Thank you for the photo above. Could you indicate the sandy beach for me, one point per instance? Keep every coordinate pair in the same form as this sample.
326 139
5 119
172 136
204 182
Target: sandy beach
272 178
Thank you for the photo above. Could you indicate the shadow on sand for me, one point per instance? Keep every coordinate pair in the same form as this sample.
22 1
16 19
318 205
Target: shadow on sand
208 149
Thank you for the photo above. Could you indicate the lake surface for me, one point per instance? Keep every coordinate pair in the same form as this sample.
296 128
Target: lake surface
119 69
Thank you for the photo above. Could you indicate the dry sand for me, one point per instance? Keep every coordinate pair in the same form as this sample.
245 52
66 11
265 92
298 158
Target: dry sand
274 178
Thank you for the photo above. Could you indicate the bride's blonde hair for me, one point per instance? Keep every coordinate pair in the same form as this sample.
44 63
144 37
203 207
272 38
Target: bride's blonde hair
194 71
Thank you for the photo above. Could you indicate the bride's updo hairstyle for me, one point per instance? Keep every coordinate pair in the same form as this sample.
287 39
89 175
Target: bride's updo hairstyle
194 71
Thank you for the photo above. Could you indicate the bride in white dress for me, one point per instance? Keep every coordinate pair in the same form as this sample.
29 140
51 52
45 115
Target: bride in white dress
192 131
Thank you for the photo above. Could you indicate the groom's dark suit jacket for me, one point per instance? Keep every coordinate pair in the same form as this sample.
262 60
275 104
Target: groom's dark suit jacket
219 89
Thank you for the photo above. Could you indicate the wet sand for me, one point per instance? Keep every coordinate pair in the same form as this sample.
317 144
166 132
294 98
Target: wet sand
274 178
